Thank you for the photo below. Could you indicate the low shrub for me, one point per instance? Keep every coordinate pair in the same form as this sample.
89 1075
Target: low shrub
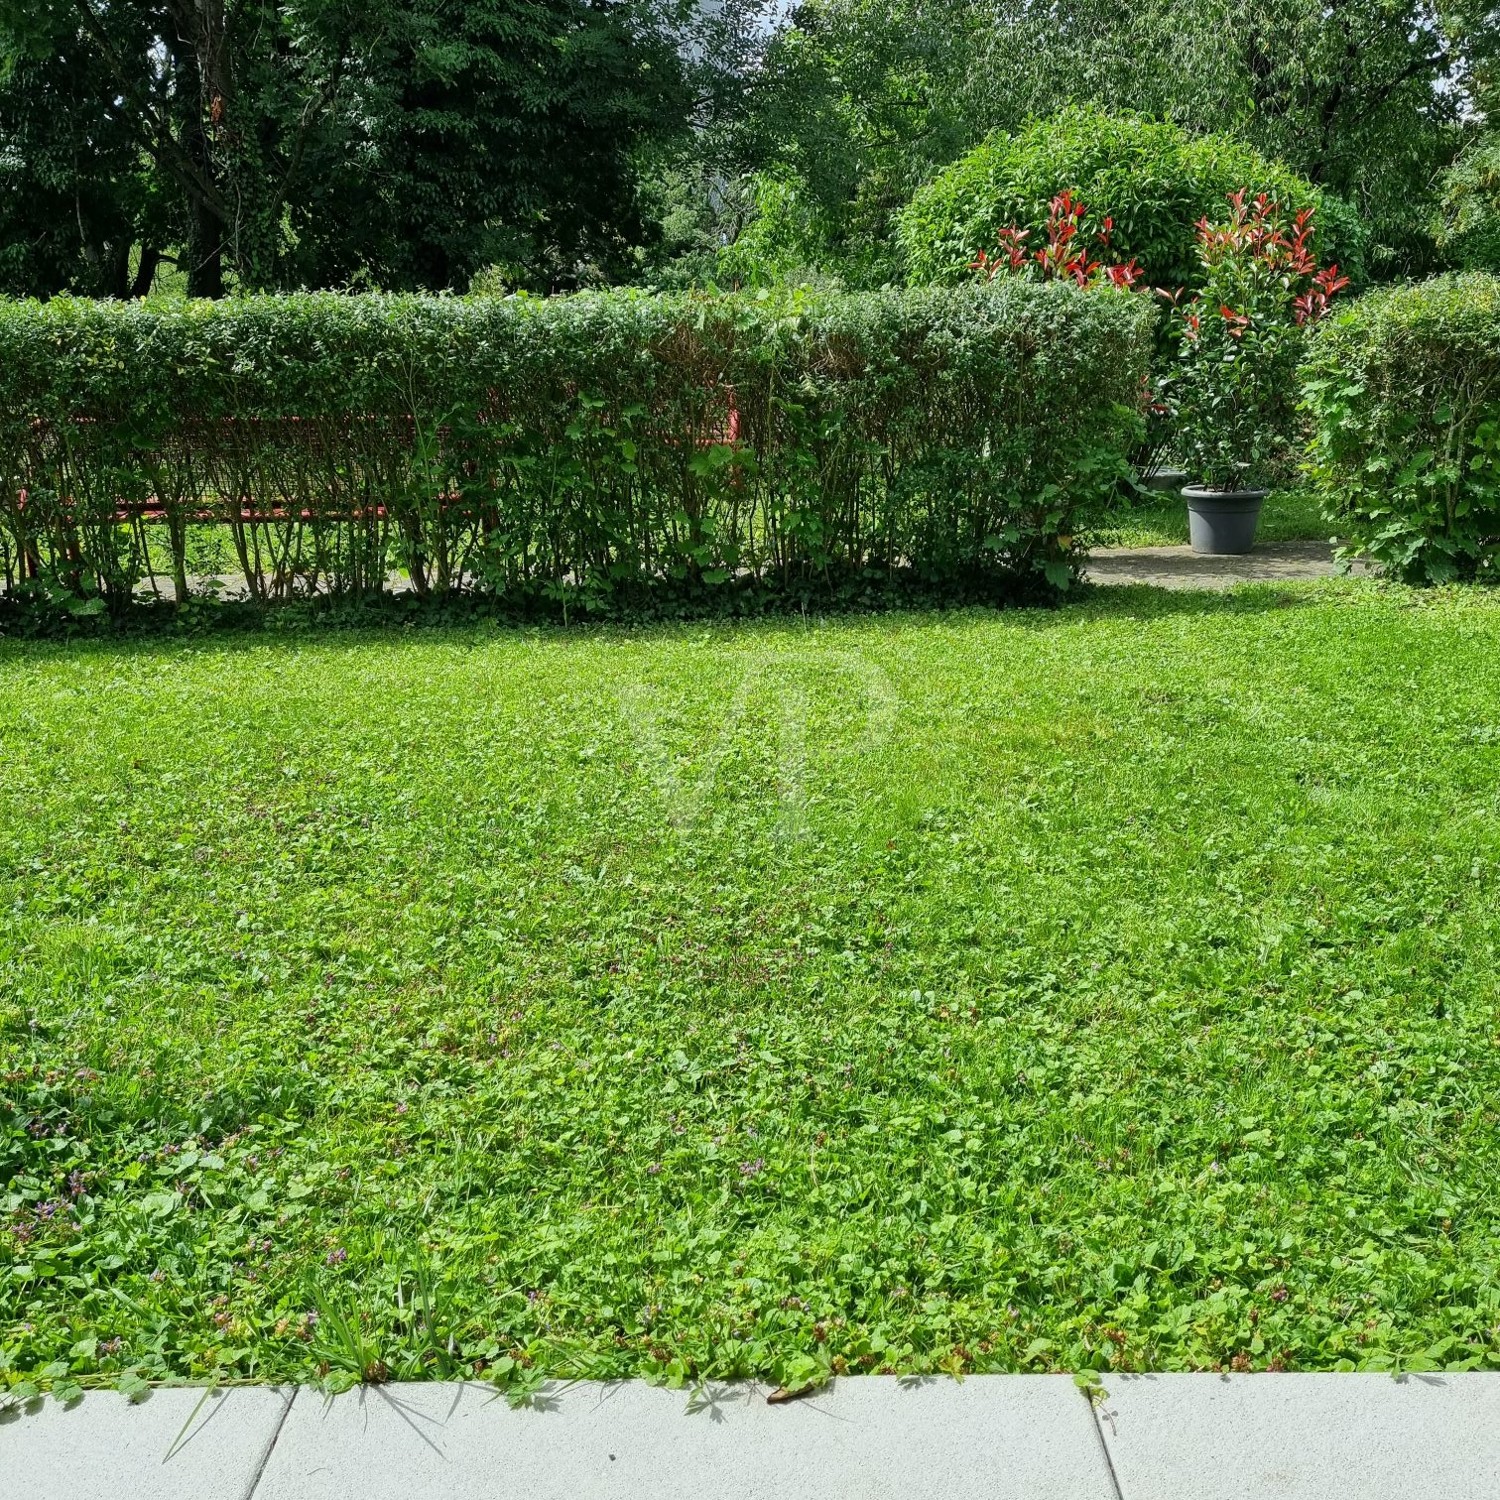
574 450
1403 389
1072 249
1154 180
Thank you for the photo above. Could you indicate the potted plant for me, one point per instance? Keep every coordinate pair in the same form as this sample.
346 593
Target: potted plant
1233 394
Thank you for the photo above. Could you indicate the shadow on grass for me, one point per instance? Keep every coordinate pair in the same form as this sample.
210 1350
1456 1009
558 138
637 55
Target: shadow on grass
161 630
1148 601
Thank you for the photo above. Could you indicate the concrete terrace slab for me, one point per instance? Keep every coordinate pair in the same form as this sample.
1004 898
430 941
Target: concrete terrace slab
1304 1437
1001 1437
1004 1438
174 1445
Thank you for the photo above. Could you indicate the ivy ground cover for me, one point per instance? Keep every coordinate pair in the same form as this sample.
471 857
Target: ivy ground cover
1105 988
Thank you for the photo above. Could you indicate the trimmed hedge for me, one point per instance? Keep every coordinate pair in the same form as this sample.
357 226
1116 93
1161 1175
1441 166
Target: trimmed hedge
1153 178
575 450
1403 390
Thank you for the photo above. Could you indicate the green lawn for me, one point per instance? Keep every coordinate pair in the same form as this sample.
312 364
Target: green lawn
1113 987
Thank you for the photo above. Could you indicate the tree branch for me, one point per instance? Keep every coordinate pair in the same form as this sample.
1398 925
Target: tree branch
151 130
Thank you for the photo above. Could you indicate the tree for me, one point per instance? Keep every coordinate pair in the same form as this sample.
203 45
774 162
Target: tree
310 142
1364 97
74 195
1367 98
1468 230
858 103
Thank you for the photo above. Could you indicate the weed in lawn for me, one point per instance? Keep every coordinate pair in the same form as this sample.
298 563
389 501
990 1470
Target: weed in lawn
1125 999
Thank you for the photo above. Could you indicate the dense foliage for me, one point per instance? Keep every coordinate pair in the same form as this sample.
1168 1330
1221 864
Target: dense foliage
856 106
567 449
864 100
557 143
1468 228
1404 392
1153 180
1366 98
400 143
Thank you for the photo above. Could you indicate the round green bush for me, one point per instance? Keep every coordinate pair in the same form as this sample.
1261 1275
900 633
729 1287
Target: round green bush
1403 393
1154 179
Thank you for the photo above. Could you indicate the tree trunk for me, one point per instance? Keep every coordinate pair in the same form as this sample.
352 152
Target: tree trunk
205 253
191 49
145 273
117 260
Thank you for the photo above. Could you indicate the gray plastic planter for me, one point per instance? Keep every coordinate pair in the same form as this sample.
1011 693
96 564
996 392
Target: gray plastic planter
1222 520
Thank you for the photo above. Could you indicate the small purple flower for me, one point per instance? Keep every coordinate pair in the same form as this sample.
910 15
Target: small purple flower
654 1170
337 1256
75 1184
110 1346
753 1168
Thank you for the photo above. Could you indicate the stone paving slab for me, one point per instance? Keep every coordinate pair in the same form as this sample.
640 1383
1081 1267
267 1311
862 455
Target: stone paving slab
1001 1437
1304 1437
1176 567
1182 568
103 1448
1005 1438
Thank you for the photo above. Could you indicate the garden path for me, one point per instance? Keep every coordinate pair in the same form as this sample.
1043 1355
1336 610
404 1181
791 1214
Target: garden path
1182 568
